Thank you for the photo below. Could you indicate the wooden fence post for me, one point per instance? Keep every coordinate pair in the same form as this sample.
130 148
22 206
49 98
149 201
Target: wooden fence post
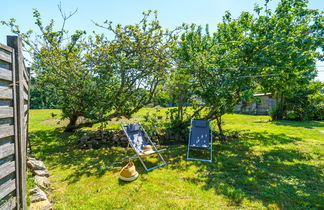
20 113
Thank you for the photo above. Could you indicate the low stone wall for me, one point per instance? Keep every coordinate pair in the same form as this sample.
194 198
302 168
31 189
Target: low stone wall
99 139
38 195
118 138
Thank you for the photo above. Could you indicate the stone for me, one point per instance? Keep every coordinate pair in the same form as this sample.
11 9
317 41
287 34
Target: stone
30 158
36 194
42 182
115 138
123 138
34 164
41 172
41 205
84 138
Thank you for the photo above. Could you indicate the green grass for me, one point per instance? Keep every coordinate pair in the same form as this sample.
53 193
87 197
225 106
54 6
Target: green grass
275 165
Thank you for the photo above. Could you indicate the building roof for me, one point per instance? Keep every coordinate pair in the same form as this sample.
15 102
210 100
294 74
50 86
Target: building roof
263 94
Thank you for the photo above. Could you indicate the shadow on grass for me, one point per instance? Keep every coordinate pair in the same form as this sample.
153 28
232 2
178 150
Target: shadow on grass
305 124
267 139
277 176
60 150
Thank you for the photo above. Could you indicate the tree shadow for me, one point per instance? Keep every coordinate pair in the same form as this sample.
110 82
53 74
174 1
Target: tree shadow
277 177
304 124
267 139
59 150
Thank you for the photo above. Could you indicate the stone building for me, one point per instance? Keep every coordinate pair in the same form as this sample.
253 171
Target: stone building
262 105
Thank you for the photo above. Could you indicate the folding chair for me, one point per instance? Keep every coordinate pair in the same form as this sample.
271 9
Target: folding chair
137 138
200 136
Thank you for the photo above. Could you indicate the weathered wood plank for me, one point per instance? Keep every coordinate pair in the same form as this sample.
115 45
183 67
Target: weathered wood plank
5 74
25 108
6 112
26 123
26 75
6 131
5 93
10 204
6 150
5 57
16 43
5 47
7 188
25 95
7 169
25 84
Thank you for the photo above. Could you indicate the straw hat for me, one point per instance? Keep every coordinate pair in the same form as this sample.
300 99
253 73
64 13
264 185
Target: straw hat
128 172
148 150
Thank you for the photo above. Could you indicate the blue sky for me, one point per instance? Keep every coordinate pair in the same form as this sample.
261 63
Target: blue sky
172 13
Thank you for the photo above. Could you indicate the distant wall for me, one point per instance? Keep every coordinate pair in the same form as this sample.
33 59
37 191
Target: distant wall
261 106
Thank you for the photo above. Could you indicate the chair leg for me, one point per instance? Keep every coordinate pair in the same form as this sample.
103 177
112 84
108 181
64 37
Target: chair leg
139 157
153 167
211 153
188 153
206 160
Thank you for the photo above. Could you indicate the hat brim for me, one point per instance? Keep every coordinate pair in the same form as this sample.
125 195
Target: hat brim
148 152
130 178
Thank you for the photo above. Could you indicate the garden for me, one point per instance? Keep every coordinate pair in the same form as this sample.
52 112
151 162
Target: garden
270 165
85 89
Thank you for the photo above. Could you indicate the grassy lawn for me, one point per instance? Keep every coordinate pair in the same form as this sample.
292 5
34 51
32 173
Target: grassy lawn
275 165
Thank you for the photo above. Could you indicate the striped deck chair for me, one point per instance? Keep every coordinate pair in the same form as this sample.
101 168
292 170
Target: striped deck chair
200 137
138 138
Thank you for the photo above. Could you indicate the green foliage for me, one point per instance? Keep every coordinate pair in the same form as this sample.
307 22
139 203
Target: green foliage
181 89
42 95
307 103
99 78
130 66
58 62
209 59
163 98
288 42
279 47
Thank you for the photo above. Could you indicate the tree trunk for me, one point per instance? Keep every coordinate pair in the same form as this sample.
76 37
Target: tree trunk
72 124
219 125
280 106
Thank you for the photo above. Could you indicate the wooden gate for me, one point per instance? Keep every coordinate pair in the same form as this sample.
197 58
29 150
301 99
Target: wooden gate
14 106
